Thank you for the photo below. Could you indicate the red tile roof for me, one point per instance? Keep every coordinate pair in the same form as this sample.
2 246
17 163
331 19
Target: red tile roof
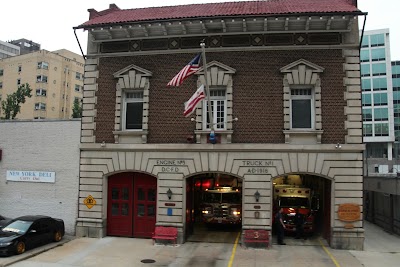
114 15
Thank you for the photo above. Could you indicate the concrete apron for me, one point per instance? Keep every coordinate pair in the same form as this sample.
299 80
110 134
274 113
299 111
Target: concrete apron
118 251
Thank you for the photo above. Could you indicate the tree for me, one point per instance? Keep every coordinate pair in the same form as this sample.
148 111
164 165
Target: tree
77 109
12 104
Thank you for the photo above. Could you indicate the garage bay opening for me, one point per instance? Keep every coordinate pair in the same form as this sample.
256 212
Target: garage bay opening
213 208
308 195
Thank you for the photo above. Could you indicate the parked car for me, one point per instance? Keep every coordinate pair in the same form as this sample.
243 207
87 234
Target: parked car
28 232
4 221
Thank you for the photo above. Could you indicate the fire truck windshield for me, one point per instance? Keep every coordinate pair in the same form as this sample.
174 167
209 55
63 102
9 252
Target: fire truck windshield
234 197
294 202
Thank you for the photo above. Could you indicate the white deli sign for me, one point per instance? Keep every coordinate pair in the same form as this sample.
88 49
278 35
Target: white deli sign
31 176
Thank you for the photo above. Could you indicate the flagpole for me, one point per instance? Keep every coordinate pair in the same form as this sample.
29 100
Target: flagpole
203 53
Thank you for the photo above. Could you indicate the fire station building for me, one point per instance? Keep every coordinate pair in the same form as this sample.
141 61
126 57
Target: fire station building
284 88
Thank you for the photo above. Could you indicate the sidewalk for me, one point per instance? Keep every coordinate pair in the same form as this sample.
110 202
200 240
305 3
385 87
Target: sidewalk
6 261
121 252
381 249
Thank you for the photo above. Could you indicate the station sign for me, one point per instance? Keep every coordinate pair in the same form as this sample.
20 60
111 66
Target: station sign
349 212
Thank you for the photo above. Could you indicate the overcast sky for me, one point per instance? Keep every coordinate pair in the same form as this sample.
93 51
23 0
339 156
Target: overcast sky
50 23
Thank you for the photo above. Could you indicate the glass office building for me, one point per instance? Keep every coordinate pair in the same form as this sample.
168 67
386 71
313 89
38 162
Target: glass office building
377 94
396 105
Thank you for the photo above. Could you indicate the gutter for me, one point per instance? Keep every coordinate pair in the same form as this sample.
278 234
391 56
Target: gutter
93 26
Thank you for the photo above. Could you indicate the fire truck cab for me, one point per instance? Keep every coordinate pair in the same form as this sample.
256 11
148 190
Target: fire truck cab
222 205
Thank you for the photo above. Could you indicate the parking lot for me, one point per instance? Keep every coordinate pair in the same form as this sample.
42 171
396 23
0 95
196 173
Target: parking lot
381 249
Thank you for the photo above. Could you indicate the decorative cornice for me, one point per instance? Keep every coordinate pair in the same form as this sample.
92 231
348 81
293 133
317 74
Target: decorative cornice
318 148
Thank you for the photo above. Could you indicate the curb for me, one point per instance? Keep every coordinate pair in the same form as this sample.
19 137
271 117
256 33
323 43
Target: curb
6 261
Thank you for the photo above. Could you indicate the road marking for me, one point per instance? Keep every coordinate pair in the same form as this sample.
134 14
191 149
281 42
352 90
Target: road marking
329 254
234 251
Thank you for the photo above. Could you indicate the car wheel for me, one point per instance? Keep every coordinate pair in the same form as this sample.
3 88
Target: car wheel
20 247
57 236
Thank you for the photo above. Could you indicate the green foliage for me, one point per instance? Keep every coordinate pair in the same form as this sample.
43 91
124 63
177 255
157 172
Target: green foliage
77 109
12 104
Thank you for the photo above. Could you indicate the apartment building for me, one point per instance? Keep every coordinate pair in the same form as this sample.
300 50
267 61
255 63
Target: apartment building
56 79
26 46
8 50
284 99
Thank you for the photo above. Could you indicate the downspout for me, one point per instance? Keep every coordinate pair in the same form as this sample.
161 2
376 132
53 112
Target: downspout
65 93
362 32
80 47
365 164
365 153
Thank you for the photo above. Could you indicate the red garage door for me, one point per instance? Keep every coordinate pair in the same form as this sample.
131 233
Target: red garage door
131 205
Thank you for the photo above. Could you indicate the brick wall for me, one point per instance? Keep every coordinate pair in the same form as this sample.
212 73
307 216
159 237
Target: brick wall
257 94
51 146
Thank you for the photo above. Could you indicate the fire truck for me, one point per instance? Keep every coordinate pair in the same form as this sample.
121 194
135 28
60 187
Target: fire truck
291 197
222 205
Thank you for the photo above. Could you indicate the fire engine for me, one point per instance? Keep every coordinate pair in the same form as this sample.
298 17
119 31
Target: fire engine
222 205
291 197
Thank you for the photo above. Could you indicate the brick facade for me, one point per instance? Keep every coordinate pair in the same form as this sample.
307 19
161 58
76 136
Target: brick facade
263 123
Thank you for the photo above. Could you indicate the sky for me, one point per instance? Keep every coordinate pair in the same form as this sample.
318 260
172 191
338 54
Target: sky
50 23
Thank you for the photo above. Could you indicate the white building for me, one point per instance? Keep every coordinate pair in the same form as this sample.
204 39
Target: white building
8 50
48 152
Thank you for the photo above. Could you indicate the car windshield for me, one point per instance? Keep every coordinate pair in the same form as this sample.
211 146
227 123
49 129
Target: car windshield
294 202
223 198
18 226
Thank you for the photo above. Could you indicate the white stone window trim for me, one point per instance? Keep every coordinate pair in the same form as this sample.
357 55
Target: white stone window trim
302 74
219 76
131 78
302 97
125 101
214 100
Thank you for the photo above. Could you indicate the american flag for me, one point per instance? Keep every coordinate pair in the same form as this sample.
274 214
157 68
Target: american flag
191 104
188 70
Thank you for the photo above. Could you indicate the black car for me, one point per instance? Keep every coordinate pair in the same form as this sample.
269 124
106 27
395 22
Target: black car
28 232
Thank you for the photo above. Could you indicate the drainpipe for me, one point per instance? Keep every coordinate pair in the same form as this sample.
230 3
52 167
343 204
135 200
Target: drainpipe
362 31
366 151
65 93
80 47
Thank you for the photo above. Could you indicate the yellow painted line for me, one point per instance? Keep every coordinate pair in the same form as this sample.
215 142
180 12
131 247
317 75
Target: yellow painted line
234 251
329 254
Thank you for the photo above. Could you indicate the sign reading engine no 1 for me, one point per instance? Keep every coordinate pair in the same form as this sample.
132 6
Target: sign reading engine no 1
31 176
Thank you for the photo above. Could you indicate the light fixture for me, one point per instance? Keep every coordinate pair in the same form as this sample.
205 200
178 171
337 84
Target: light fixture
169 193
194 120
338 146
212 138
257 196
